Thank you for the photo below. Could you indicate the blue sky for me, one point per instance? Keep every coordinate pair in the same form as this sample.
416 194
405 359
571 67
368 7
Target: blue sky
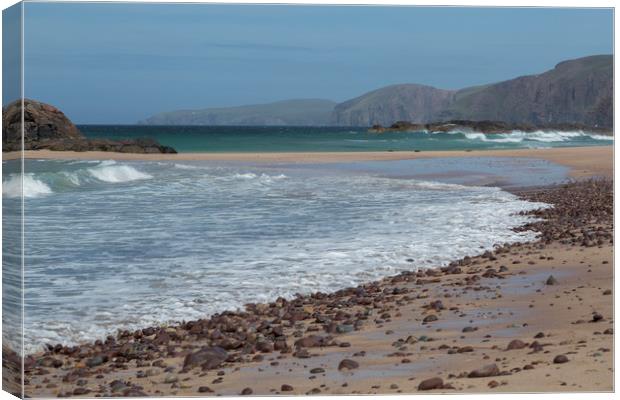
119 63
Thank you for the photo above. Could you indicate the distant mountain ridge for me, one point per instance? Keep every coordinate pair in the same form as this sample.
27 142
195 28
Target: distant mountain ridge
578 91
300 112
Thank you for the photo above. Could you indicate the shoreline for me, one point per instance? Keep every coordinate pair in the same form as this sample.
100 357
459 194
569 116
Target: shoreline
584 161
345 328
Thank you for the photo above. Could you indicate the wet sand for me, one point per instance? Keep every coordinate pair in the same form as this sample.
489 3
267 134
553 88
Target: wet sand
584 161
498 315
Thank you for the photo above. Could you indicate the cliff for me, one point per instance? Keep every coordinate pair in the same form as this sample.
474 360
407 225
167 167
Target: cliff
574 92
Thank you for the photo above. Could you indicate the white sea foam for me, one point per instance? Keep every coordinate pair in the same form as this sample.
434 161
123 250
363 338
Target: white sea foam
537 136
109 172
32 187
247 175
185 166
230 236
72 177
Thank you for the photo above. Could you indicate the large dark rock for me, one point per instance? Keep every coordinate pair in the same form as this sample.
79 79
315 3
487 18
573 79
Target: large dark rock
46 127
485 126
42 122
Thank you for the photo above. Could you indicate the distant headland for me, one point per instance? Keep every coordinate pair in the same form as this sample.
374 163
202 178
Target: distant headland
578 91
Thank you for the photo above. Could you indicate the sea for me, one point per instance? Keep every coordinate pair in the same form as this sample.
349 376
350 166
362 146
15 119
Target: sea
115 245
218 139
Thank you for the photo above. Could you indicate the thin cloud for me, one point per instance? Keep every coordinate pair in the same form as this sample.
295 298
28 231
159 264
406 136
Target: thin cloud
258 46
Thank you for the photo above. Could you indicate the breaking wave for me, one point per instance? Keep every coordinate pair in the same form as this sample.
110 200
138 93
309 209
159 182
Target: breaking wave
38 184
536 136
32 187
117 173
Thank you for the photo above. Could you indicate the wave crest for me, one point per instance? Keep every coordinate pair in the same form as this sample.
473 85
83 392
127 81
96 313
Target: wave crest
117 173
32 187
537 136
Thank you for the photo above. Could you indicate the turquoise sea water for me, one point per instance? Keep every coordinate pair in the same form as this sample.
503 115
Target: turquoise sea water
306 139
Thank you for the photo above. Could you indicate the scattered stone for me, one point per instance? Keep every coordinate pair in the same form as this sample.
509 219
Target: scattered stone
561 359
286 388
317 370
431 384
207 358
96 361
429 318
551 280
516 345
348 364
484 372
311 341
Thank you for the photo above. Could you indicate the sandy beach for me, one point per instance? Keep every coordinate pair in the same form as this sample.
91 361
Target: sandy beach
200 201
583 161
531 317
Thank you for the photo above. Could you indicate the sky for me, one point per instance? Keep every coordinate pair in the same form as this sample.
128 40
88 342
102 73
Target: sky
120 63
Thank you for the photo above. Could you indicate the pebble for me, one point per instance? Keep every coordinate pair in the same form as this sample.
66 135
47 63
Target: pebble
317 370
348 364
551 280
515 345
431 383
485 371
429 318
286 388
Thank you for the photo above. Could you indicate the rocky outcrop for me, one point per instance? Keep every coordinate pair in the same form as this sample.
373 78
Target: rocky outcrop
576 92
484 127
42 122
46 127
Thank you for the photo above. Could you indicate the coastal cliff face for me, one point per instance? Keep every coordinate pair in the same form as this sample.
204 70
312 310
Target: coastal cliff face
576 92
46 127
408 102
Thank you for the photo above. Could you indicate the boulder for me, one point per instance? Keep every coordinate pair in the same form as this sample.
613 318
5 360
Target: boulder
46 127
